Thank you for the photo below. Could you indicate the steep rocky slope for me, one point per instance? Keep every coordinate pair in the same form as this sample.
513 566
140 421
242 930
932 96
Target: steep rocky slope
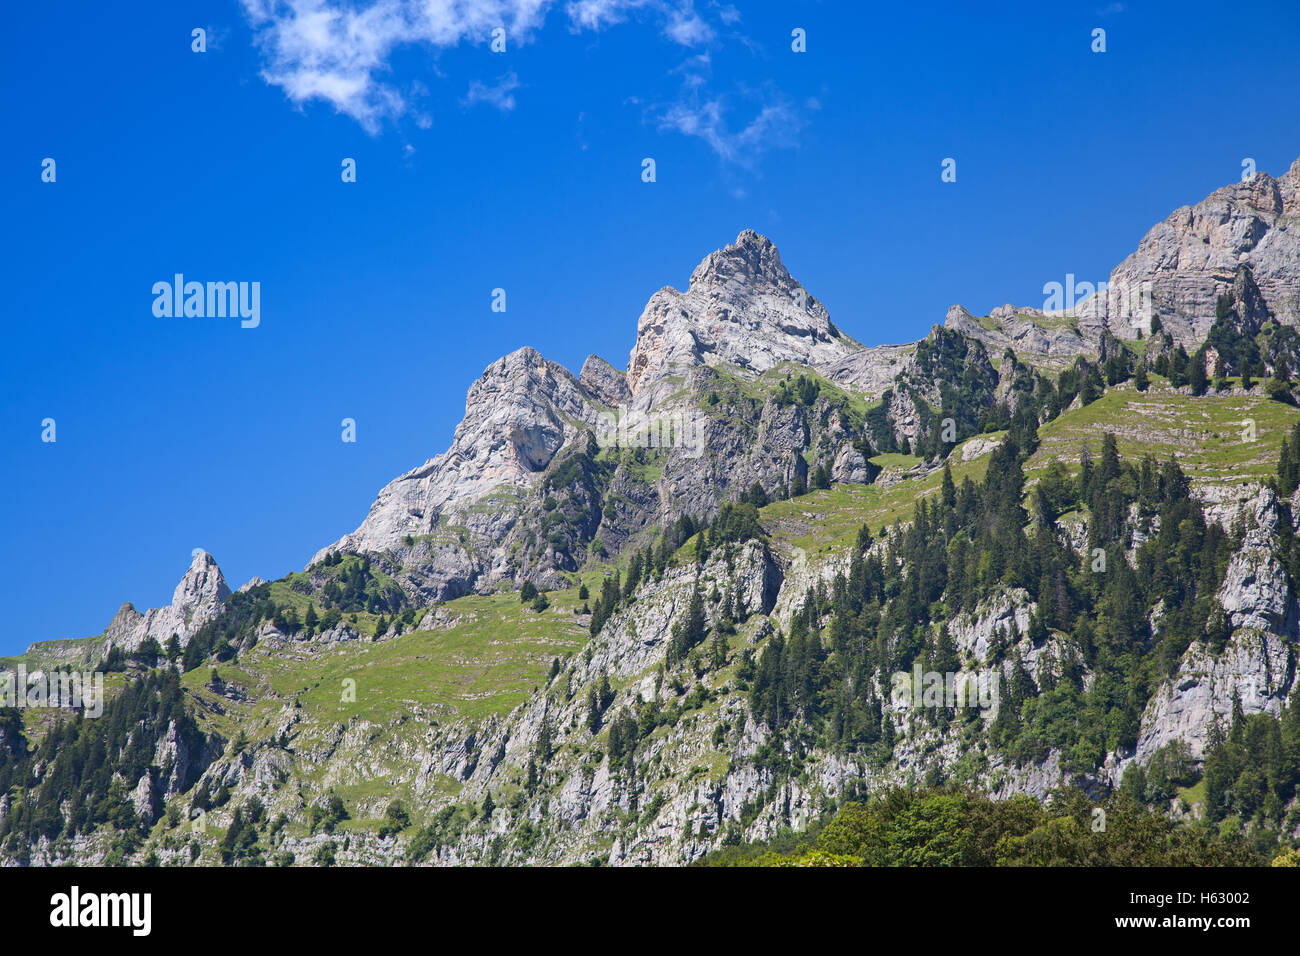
1190 258
198 598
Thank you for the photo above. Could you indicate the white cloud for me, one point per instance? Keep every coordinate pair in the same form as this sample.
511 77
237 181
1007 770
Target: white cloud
686 27
695 71
336 50
594 14
728 14
775 125
681 23
339 52
502 95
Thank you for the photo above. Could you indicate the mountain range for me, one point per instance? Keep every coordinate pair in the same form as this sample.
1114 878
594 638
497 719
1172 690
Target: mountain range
564 641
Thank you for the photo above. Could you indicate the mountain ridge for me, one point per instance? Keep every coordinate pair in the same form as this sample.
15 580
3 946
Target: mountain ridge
742 302
556 643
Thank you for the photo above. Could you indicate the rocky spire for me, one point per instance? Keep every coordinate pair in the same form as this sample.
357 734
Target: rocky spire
198 598
742 308
202 585
752 260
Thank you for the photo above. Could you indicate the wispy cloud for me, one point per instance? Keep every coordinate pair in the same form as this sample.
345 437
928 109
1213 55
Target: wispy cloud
595 14
340 52
336 51
776 124
501 95
687 27
727 13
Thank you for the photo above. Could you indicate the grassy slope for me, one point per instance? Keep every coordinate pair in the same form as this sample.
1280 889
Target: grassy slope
1205 434
489 659
823 521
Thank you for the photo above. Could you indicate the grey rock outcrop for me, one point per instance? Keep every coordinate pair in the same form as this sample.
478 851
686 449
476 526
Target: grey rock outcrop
1191 258
518 414
1035 336
198 598
742 309
1253 669
872 370
124 623
604 382
1256 667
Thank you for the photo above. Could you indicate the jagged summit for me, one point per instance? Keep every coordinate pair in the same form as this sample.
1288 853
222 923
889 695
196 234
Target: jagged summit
198 597
752 259
518 414
742 308
202 583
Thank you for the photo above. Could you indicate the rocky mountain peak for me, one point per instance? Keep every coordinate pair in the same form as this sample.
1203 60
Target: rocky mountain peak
202 584
743 309
198 598
752 259
603 381
518 414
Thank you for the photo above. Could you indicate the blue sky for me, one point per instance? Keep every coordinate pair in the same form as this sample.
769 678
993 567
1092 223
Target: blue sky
519 170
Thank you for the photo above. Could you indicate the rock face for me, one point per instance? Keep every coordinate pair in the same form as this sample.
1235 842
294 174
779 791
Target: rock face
1030 333
1255 592
461 520
1191 258
198 598
870 371
1256 667
604 382
518 414
742 308
124 623
1253 669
